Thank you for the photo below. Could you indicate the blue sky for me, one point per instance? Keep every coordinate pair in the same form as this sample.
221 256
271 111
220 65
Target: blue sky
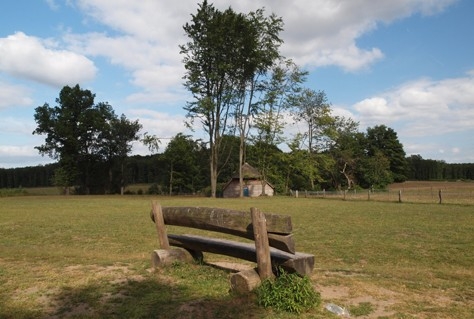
406 64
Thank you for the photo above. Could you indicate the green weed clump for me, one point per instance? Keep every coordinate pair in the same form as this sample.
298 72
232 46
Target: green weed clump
362 309
288 292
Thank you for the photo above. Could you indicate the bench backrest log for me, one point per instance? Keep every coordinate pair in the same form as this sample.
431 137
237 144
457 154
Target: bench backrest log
272 233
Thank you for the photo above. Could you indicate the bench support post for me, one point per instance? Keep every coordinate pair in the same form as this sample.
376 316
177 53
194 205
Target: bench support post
264 263
160 225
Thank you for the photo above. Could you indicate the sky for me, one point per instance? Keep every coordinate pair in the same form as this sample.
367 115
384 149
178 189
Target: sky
406 64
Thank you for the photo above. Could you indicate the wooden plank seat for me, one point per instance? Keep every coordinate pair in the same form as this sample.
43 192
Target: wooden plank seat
273 244
301 263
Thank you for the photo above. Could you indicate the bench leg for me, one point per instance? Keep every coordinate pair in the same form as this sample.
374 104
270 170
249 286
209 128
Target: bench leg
245 281
162 257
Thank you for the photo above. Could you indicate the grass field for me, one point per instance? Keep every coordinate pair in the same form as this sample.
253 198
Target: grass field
89 257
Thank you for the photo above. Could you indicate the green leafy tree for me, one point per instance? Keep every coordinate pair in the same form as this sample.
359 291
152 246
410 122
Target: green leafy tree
260 45
224 56
347 148
385 140
116 144
80 134
320 132
301 168
208 59
182 157
314 110
376 171
269 120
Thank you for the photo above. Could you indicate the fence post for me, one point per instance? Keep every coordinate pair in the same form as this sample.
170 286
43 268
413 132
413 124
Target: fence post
440 196
400 196
368 194
264 263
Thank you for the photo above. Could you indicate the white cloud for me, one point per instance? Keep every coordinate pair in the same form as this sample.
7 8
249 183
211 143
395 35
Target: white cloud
162 125
424 107
9 125
316 33
12 155
321 32
13 151
39 60
52 5
14 96
158 123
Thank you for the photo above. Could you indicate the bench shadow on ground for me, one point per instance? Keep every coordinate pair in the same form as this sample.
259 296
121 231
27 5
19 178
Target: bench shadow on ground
145 297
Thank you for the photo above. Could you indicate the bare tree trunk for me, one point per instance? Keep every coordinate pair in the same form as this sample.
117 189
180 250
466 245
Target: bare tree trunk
241 162
350 182
213 168
171 180
121 179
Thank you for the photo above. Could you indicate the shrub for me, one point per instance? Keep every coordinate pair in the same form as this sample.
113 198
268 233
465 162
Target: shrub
4 192
288 292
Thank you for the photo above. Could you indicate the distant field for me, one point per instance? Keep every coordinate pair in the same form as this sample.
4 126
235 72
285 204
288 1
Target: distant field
89 257
456 192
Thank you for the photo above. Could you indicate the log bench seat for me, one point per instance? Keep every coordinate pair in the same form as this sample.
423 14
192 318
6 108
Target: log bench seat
272 247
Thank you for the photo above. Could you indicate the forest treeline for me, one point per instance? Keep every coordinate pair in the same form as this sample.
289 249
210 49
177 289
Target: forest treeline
156 170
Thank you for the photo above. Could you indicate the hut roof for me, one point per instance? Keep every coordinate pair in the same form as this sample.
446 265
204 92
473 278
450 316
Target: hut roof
248 172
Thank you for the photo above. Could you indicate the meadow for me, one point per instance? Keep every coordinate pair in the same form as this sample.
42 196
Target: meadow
89 257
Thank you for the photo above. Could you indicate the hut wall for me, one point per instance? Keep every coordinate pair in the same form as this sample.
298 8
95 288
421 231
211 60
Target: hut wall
254 186
232 189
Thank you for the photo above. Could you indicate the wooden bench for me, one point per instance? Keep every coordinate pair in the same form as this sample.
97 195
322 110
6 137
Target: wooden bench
273 244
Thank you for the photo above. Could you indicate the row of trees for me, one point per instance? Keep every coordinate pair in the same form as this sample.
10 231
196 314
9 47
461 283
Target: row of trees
420 169
183 168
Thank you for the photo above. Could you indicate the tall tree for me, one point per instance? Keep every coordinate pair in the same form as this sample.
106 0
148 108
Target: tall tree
225 53
260 51
80 134
320 127
314 110
279 91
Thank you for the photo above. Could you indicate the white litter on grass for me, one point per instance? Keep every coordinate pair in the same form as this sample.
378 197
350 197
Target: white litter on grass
340 311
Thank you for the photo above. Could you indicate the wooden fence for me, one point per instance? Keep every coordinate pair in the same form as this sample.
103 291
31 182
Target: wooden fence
420 195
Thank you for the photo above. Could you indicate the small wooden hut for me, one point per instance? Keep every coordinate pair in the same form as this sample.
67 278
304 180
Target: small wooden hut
253 184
